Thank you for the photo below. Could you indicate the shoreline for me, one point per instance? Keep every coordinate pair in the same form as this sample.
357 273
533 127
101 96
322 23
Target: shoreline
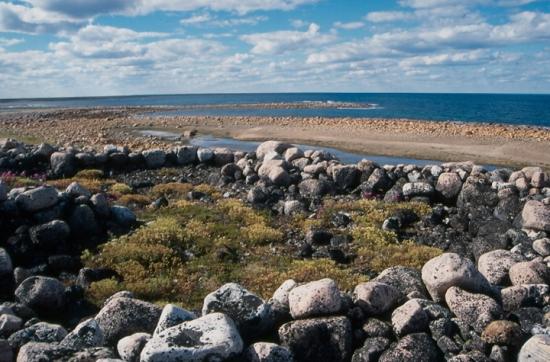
498 144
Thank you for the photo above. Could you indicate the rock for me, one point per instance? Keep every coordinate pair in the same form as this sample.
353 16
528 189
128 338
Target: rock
519 296
93 354
6 352
154 158
129 348
37 199
293 153
6 265
279 176
82 221
9 324
292 207
530 272
503 332
42 294
75 190
318 339
318 237
63 164
476 310
417 347
271 146
448 185
542 246
85 335
50 235
257 195
376 298
268 352
316 298
123 216
205 155
3 191
450 269
407 280
38 351
39 332
536 215
282 293
249 312
536 349
371 350
413 189
209 338
223 156
496 264
186 155
231 171
172 315
539 179
346 177
118 319
314 188
376 328
476 192
100 205
409 318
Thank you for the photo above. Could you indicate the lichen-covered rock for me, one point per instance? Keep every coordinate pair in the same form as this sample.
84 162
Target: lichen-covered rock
536 349
76 190
318 339
409 318
476 310
211 337
268 352
154 158
496 264
271 146
37 199
530 272
376 298
536 215
249 312
316 298
542 246
38 351
122 317
85 335
43 294
412 189
526 295
63 164
129 348
281 294
205 155
406 280
50 235
448 185
186 154
346 177
371 350
314 188
39 332
417 347
172 315
452 270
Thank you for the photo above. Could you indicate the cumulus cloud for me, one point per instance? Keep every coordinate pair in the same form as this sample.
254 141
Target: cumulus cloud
389 16
349 26
22 19
6 42
280 42
208 20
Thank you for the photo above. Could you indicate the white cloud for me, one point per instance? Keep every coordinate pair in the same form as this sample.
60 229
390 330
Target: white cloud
22 19
279 42
209 20
349 26
196 19
389 16
7 42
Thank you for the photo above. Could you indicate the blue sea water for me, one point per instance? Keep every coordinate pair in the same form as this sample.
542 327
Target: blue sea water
524 109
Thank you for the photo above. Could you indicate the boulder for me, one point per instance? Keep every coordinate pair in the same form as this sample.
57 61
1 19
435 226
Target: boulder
409 318
249 312
476 310
346 177
205 155
75 190
281 295
100 205
9 324
314 188
123 216
50 235
186 154
82 221
376 298
211 337
63 164
129 348
412 189
452 270
43 294
293 153
530 272
318 339
268 352
519 296
536 216
539 179
405 279
496 264
3 191
40 351
122 317
37 199
6 351
371 350
85 335
6 266
172 315
316 298
448 185
223 156
542 246
154 158
39 332
536 349
271 146
417 347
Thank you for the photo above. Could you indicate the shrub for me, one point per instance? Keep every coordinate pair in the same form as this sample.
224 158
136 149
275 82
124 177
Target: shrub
90 174
171 190
121 189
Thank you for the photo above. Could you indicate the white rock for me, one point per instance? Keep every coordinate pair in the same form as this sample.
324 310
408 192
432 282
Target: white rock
476 310
496 264
530 272
449 185
76 190
268 352
536 215
281 294
409 318
376 298
85 335
316 298
542 246
536 349
37 199
205 155
172 315
274 146
129 348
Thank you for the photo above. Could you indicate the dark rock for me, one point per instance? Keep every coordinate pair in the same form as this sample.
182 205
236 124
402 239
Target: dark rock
418 347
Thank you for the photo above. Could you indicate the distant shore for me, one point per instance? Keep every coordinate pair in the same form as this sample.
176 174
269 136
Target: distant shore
446 141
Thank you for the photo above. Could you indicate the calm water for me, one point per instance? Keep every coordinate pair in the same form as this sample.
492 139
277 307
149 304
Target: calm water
489 108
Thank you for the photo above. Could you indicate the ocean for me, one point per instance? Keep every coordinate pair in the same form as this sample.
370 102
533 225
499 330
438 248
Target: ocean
519 109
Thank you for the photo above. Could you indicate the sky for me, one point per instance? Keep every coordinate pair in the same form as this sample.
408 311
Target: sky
65 48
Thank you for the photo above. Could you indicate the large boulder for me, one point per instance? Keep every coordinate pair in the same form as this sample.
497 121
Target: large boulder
63 164
376 298
536 349
271 146
476 310
39 332
346 177
316 298
417 347
211 337
129 348
496 264
409 318
318 339
82 221
205 155
37 199
530 272
405 279
50 235
154 158
527 295
477 192
423 189
121 317
268 352
452 270
448 185
372 348
315 188
172 315
249 312
43 294
123 216
6 266
85 335
186 154
536 215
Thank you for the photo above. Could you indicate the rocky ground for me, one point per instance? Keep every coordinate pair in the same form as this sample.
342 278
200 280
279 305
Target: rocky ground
283 254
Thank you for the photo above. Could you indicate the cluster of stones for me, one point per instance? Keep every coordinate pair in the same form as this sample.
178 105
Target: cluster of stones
451 310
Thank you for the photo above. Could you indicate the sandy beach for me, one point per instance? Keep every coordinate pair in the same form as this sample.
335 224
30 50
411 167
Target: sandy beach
446 141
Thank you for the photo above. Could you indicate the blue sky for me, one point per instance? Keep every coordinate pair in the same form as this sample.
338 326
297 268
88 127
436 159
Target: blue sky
51 48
